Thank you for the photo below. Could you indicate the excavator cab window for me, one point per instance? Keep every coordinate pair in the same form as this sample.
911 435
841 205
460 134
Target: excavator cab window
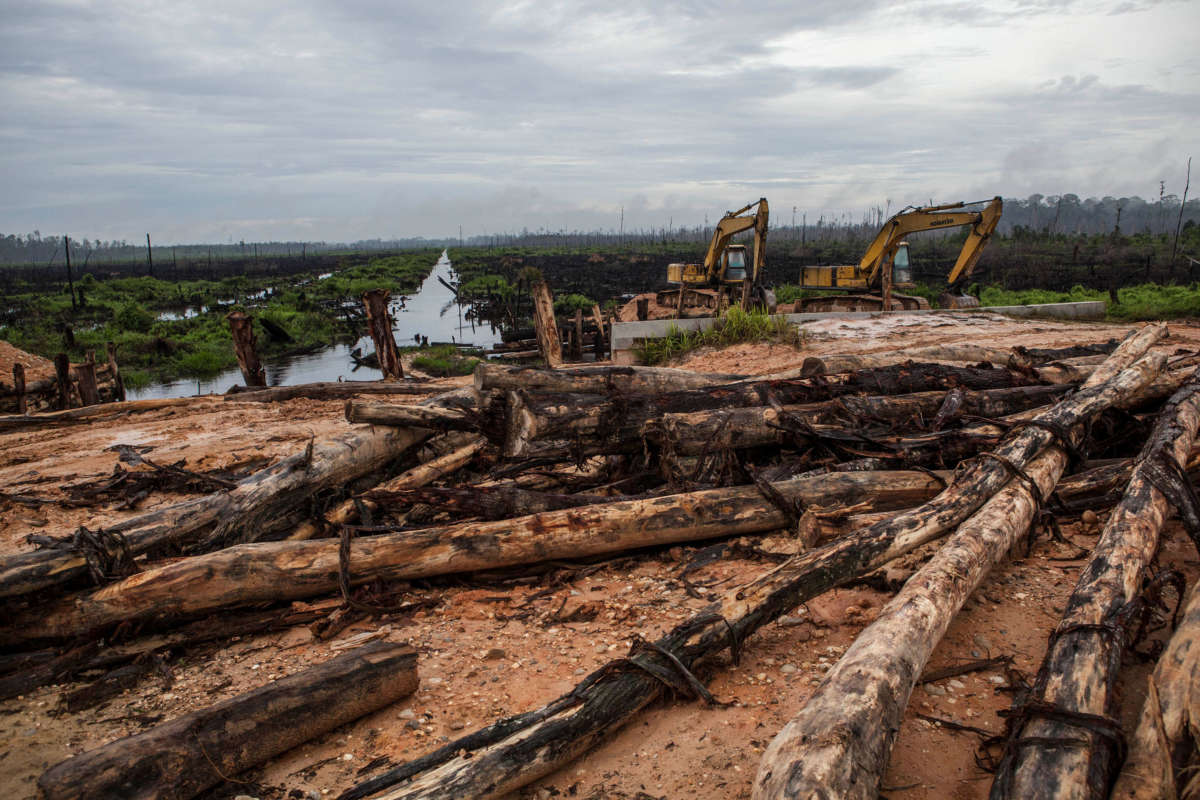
735 265
901 271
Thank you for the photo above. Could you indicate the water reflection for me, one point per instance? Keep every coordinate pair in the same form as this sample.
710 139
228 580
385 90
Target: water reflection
432 312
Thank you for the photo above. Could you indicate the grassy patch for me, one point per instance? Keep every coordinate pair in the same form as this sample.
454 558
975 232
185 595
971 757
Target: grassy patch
445 361
734 327
1144 302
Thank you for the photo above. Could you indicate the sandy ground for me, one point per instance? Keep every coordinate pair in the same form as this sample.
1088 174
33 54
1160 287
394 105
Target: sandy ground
491 649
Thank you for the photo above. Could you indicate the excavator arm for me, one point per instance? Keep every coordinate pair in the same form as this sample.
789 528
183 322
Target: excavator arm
733 223
883 248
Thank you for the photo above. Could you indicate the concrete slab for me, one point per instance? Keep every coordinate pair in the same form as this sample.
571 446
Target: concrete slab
626 335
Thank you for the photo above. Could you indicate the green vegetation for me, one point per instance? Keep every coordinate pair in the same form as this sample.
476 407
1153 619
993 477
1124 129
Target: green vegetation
1147 301
733 327
166 330
445 360
569 304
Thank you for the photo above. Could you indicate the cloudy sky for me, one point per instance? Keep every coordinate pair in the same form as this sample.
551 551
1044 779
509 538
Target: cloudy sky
361 118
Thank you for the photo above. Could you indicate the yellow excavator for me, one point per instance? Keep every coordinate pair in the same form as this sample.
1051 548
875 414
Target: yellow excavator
725 277
885 265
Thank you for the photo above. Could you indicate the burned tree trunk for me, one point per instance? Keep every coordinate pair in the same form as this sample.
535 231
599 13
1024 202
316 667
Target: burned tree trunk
62 370
486 502
273 571
183 757
512 752
85 377
1073 696
118 381
245 347
19 387
379 325
549 340
837 746
1163 753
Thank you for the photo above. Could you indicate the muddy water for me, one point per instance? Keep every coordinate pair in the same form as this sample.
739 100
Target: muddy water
431 312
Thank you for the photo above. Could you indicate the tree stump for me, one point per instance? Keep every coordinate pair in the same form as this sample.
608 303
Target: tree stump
379 325
241 326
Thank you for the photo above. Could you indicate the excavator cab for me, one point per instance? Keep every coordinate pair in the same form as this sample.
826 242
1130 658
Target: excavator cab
735 264
901 271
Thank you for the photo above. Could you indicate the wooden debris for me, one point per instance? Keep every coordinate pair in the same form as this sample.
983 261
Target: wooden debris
511 753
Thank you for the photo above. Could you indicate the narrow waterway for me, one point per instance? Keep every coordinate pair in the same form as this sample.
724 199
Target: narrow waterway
432 312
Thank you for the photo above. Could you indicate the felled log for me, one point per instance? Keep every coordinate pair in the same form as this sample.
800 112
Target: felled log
512 752
1163 754
549 341
1017 357
755 426
595 380
402 416
485 502
100 412
183 757
1079 672
837 746
331 390
275 571
244 347
260 504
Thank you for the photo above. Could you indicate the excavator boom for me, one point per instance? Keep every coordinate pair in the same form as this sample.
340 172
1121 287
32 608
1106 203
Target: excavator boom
883 248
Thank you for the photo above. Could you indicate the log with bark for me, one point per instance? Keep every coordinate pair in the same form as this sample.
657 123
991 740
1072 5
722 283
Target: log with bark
290 570
1163 752
1017 357
595 380
261 504
837 746
332 390
181 758
515 751
1074 694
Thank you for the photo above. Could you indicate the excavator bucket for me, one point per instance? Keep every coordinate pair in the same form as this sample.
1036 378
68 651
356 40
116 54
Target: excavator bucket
948 300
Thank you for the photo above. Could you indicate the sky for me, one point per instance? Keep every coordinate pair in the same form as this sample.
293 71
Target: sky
354 119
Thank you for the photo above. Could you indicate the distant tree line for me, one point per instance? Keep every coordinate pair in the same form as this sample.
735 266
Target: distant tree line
1055 215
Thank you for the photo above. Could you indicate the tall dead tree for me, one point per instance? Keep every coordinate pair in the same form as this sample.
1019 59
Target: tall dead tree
379 325
244 346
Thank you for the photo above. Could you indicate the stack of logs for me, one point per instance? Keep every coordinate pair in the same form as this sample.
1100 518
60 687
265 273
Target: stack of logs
531 465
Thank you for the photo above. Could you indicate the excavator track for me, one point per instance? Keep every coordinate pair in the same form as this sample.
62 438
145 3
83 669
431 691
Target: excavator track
860 302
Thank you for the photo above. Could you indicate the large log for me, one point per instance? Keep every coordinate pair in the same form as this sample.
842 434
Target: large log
260 504
181 758
1163 752
274 571
339 390
755 426
1017 357
1079 671
509 754
837 747
596 379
